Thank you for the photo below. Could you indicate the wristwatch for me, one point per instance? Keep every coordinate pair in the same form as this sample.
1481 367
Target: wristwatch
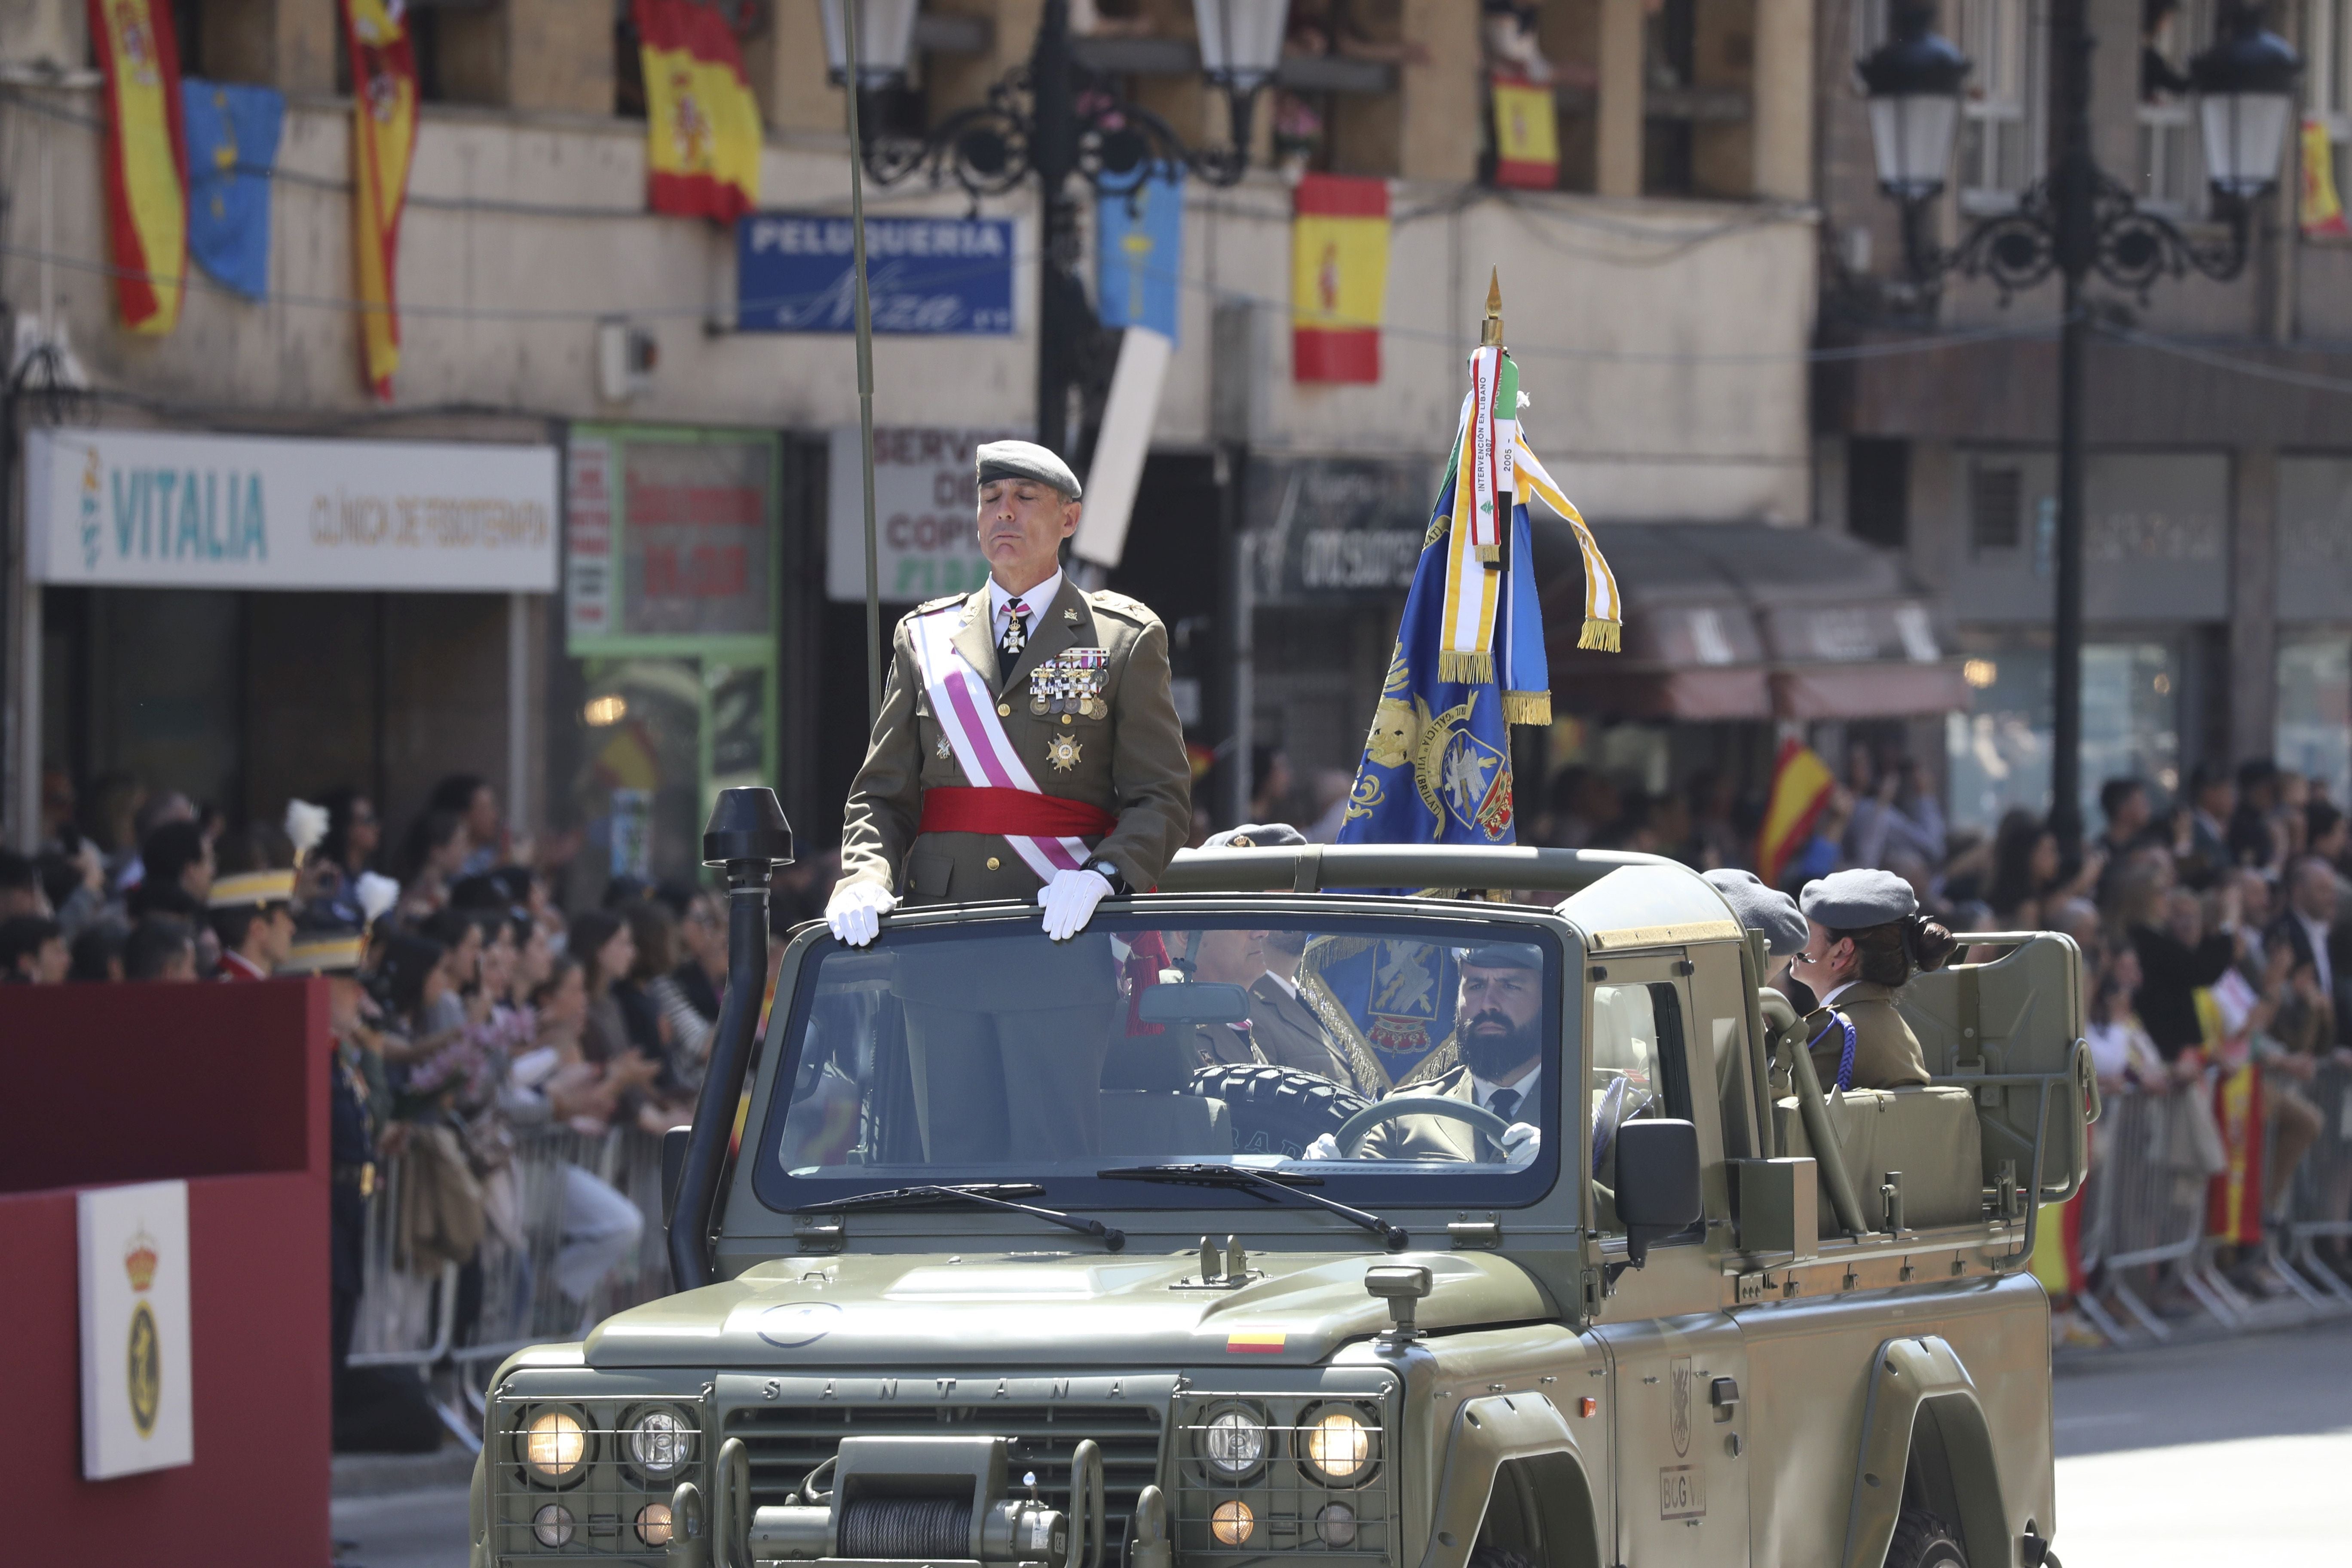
1109 873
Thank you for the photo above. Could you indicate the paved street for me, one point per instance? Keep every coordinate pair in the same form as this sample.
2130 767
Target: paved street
2228 1452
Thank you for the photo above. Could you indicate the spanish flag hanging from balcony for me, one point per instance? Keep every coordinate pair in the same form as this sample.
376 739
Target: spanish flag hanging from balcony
1339 277
384 139
146 160
1527 134
702 124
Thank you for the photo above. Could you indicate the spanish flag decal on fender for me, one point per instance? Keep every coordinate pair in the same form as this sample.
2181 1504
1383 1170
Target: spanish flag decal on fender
146 156
702 124
1256 1342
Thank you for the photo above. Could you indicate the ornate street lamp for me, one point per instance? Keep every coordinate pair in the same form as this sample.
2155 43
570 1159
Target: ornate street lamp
886 40
2074 221
1057 117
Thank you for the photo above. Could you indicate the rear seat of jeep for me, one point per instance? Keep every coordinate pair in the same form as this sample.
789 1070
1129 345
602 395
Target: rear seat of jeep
1929 1133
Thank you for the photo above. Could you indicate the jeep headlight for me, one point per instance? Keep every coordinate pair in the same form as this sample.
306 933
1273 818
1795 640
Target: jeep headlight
660 1441
1339 1446
1232 1441
555 1444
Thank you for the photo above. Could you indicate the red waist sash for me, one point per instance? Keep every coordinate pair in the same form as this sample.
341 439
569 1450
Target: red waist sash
952 809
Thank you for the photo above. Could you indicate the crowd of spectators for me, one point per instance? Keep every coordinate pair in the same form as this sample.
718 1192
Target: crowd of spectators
485 1011
2215 928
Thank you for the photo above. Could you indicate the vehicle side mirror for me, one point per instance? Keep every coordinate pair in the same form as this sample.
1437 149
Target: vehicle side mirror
1195 1002
1657 1182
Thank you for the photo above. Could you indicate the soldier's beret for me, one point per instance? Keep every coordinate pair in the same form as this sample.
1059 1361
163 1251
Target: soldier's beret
1502 955
1857 900
1256 836
1026 460
1760 907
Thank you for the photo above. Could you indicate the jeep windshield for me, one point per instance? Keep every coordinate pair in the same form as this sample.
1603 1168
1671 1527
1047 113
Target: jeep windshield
978 1051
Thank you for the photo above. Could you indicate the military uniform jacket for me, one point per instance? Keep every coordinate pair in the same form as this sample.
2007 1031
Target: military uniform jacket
1887 1054
1122 752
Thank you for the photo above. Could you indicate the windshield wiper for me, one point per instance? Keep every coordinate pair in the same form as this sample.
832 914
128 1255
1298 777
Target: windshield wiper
986 1194
1198 1175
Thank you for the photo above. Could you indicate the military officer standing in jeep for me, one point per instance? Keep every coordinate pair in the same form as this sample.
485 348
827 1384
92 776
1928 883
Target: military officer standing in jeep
1028 747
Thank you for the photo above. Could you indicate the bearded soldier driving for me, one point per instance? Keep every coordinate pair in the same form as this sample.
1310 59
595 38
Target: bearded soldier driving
1028 747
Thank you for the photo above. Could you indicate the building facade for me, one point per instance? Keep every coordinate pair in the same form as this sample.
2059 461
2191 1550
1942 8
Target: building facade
704 627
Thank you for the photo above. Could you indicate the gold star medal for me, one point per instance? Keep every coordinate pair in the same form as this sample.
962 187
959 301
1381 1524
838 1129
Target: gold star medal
1063 752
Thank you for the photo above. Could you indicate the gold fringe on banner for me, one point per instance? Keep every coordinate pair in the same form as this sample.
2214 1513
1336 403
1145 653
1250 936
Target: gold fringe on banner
1526 708
1472 668
1600 633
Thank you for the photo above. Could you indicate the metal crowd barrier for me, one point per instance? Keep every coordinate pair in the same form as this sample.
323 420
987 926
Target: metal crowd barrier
516 1294
2146 1208
2322 1206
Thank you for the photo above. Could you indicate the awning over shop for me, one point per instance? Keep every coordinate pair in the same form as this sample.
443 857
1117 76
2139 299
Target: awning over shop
1741 620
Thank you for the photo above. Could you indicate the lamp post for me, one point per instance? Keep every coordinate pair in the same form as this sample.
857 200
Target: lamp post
1057 118
2074 221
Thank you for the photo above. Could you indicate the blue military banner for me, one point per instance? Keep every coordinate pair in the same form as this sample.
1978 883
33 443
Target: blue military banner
1469 660
1388 1004
1140 254
232 133
926 275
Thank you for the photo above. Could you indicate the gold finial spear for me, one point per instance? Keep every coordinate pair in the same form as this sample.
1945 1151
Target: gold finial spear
1490 335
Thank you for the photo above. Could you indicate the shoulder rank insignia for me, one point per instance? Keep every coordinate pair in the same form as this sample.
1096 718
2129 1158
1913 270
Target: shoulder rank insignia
1070 682
927 606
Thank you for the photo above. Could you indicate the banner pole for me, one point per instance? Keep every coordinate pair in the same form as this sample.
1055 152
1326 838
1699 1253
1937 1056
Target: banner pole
853 19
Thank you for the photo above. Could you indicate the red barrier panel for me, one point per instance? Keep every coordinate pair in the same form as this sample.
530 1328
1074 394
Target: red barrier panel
225 1085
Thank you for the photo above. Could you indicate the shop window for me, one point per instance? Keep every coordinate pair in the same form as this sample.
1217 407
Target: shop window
2327 73
2315 708
671 610
1998 753
2001 150
1996 509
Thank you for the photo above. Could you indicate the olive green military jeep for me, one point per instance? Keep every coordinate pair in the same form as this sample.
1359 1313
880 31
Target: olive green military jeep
1024 1257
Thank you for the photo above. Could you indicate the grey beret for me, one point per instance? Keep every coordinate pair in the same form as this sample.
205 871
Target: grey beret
1502 955
1760 907
1857 900
1256 836
1025 460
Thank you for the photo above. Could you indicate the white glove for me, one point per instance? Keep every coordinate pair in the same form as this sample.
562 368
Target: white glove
1325 1147
1520 1143
1069 901
856 910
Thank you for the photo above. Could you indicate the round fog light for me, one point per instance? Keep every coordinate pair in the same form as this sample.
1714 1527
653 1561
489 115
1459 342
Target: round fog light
1232 1523
554 1443
653 1524
1338 1448
553 1525
660 1441
1336 1525
1234 1442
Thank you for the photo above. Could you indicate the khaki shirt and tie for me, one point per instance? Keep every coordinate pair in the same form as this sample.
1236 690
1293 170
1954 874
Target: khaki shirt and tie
1444 1137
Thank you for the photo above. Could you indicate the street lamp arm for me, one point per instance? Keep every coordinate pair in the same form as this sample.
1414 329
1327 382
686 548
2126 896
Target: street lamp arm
2131 248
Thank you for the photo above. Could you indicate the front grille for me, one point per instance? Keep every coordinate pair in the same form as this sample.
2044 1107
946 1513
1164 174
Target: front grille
785 1443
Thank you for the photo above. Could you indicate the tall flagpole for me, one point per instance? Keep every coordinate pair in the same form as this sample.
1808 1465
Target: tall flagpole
853 17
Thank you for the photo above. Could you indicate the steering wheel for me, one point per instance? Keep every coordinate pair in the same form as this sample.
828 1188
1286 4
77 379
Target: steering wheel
1351 1131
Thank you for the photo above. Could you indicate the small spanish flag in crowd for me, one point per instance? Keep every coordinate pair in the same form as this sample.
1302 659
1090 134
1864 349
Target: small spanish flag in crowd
1527 135
1801 788
2323 206
1339 277
383 140
146 160
2234 1206
702 124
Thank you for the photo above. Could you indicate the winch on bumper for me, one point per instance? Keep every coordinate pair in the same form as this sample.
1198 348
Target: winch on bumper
938 1499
